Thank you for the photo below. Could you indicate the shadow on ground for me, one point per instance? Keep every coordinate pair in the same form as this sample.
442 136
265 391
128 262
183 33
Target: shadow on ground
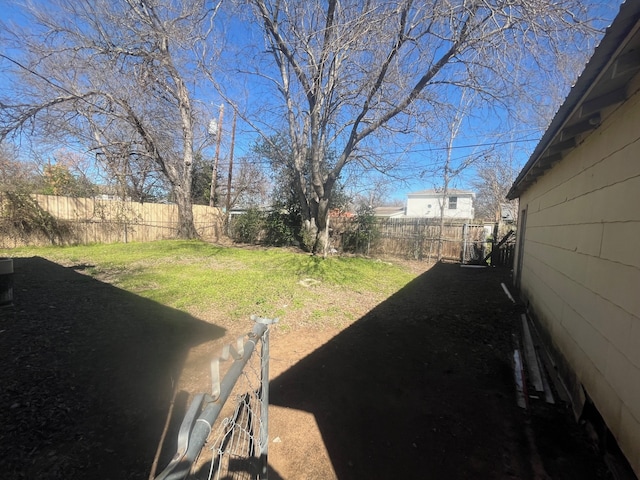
422 387
87 375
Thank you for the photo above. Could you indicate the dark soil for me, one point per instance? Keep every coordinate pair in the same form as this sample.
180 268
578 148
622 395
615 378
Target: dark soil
420 387
87 373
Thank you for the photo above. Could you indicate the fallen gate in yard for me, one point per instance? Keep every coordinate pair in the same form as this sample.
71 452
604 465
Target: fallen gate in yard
240 443
501 253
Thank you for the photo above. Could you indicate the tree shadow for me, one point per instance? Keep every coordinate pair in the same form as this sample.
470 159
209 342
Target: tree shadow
88 374
420 387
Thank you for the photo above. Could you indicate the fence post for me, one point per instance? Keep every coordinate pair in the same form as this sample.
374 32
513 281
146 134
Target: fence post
264 388
494 241
465 236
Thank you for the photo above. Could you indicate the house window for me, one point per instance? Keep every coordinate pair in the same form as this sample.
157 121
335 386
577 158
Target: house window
453 203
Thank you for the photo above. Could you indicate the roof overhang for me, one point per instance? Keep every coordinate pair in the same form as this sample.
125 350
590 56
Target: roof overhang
602 84
450 193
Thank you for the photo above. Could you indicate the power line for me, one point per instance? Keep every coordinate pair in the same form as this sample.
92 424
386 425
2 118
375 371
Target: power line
457 147
33 72
437 149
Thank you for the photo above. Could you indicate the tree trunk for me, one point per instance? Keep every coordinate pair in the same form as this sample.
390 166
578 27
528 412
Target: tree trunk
186 227
441 227
321 231
315 234
309 234
443 204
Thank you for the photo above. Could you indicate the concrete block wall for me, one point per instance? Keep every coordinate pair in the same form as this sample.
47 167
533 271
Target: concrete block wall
580 269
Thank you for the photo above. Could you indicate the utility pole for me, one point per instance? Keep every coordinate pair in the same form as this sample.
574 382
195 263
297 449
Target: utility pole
233 139
214 174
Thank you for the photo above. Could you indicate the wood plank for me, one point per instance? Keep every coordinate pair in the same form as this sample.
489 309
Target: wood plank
506 290
518 375
558 147
551 367
530 356
606 100
626 64
548 395
581 127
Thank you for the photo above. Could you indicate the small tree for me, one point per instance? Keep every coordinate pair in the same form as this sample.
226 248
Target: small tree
201 180
364 233
494 177
57 179
250 185
15 175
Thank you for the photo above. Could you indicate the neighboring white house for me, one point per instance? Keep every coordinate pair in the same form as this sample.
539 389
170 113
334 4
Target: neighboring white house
427 204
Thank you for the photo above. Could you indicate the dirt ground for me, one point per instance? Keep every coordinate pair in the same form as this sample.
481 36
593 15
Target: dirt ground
419 386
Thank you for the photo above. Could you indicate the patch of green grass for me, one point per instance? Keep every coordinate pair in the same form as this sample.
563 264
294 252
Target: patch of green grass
196 276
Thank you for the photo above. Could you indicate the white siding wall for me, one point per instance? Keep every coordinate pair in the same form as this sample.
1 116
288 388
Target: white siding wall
581 267
419 207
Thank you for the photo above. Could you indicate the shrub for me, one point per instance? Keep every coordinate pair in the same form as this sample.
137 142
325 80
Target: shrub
279 229
275 228
364 232
249 227
22 219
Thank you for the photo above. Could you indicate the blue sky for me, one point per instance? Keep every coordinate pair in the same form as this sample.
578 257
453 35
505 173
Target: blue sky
485 132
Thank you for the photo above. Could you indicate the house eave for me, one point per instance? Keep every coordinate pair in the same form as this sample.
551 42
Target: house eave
433 193
601 85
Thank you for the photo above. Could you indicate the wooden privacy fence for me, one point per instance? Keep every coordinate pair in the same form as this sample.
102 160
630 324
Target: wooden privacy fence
414 238
503 250
47 219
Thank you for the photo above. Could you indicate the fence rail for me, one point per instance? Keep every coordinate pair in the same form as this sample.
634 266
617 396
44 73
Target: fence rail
241 440
67 220
48 219
416 238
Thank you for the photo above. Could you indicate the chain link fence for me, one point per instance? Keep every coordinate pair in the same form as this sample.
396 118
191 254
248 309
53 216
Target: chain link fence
238 442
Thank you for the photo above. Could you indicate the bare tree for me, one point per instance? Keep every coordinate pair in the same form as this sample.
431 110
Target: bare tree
346 71
250 185
375 194
125 165
113 75
449 169
16 175
494 177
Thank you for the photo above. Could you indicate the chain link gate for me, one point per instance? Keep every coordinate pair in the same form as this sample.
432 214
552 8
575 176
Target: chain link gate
240 444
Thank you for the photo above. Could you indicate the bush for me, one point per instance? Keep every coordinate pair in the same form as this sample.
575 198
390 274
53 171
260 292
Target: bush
22 219
280 229
364 233
249 226
276 228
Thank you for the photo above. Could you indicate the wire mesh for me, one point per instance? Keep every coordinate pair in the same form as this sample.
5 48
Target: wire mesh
232 420
236 448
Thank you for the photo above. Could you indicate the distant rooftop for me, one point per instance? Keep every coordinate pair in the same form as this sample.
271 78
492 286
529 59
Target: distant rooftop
450 191
388 211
